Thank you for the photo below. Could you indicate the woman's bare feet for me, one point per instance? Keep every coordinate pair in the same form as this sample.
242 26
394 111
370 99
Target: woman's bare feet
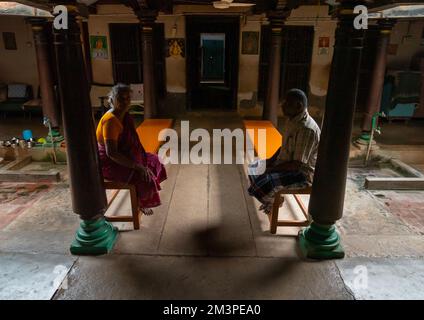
147 211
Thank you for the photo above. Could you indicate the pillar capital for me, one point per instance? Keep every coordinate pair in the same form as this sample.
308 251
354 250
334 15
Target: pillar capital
36 22
70 35
386 25
38 26
144 13
147 17
345 11
278 17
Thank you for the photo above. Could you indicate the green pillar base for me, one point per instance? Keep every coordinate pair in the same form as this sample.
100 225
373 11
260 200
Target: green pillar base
320 242
365 136
363 139
94 237
55 137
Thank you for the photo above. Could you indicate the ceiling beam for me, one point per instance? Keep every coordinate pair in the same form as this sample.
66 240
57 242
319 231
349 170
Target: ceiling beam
39 4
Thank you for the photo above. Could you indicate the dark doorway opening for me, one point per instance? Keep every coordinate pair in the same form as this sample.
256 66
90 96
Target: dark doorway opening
127 60
125 42
296 56
212 62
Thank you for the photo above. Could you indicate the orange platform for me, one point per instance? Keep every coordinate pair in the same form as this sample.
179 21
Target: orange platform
273 136
148 133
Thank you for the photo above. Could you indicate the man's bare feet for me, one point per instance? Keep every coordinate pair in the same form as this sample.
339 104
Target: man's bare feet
147 211
265 208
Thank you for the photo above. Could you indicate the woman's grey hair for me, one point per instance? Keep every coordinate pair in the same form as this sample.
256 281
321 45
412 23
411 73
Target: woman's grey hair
116 91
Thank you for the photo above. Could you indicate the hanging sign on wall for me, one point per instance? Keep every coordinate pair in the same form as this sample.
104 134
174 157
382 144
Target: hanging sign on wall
323 45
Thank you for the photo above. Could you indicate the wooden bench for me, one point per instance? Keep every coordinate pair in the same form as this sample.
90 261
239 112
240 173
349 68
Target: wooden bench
273 136
135 210
273 143
279 200
148 133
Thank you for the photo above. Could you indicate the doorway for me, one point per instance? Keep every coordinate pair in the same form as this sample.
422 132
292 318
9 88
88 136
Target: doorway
296 57
127 63
212 62
125 43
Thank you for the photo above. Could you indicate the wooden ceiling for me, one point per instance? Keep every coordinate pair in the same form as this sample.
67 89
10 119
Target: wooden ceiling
167 5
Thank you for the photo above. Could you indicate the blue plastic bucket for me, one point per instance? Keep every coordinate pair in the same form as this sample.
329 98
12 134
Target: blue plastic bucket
27 134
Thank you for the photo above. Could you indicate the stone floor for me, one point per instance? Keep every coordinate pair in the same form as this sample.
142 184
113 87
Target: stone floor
209 241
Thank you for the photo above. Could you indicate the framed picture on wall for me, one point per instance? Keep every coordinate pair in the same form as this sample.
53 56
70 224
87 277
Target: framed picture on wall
250 42
98 46
9 41
175 47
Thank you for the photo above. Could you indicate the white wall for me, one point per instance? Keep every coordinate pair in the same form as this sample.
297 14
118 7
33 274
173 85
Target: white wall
407 36
18 65
249 64
175 66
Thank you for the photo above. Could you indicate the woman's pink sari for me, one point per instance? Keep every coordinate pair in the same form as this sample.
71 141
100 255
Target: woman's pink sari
130 146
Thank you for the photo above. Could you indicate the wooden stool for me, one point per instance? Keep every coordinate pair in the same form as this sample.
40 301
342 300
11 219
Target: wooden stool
117 186
279 200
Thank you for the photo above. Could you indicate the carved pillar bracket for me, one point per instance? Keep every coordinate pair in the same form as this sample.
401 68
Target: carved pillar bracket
95 235
320 240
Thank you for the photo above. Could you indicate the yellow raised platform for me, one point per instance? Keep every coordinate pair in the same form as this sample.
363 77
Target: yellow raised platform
148 133
273 136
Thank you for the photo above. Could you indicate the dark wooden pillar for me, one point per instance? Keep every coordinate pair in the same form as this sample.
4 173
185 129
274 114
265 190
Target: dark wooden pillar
420 113
147 16
88 194
320 240
45 71
272 96
149 84
378 73
86 48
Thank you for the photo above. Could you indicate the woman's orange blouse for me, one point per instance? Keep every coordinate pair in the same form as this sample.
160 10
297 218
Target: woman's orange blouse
109 128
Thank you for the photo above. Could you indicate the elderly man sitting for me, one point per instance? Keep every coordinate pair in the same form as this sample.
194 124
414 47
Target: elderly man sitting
292 166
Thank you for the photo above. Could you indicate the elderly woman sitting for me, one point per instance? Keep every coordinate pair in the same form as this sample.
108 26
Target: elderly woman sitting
122 157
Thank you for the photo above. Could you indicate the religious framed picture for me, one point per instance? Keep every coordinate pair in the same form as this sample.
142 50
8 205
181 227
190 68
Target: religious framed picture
323 45
250 42
9 41
98 47
175 47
